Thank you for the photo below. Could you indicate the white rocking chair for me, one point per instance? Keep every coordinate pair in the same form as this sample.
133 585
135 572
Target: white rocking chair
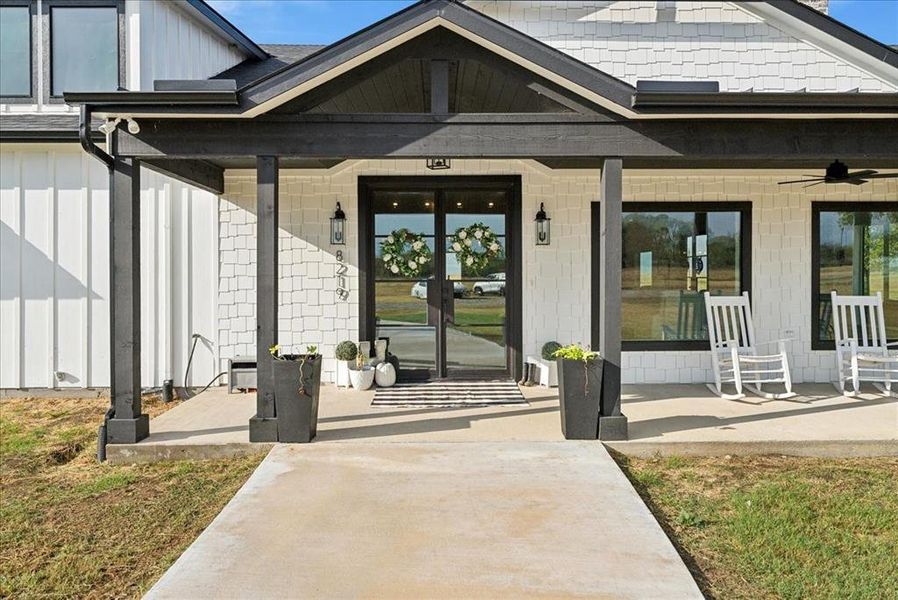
734 357
862 351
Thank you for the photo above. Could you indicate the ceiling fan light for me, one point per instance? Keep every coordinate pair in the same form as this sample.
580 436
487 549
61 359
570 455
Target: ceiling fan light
837 170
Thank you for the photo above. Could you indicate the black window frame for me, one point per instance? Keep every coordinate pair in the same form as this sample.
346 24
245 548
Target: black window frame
744 208
818 207
47 25
31 96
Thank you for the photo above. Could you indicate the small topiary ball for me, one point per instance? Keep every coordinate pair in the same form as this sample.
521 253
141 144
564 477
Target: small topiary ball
346 350
549 349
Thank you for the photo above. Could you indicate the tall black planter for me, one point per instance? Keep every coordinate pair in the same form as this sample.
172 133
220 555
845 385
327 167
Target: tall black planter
579 390
296 397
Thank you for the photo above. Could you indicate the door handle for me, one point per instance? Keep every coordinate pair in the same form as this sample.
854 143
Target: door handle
449 302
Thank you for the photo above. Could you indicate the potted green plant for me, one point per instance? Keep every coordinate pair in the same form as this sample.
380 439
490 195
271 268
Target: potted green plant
345 354
362 377
297 386
548 368
579 391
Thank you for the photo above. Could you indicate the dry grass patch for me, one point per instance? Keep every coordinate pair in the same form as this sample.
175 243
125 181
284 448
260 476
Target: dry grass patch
70 527
778 527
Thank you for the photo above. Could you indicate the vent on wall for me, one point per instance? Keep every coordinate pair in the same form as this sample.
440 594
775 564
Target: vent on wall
701 87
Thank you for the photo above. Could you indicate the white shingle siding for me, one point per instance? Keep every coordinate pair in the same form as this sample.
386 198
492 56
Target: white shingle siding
555 279
556 289
720 41
781 264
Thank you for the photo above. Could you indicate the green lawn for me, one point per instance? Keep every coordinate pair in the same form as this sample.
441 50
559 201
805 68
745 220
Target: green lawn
477 315
73 528
778 527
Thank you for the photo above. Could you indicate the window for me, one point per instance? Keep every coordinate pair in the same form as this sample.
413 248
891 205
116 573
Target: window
854 252
15 51
672 254
84 49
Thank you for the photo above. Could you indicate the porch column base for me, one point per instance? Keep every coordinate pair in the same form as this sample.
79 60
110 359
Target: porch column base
127 431
263 430
613 428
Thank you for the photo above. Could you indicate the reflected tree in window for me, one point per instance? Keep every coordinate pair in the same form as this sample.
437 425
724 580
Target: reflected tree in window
669 260
858 254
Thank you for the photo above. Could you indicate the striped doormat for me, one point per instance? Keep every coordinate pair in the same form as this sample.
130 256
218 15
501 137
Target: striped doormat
450 393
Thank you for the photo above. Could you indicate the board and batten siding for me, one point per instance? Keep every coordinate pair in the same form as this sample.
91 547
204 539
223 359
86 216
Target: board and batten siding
54 272
173 45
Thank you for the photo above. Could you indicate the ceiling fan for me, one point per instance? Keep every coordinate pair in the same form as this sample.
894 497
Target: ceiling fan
837 172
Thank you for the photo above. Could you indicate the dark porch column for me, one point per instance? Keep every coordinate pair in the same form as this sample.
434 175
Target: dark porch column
612 424
263 426
128 425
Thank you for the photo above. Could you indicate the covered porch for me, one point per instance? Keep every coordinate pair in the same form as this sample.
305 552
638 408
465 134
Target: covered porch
439 81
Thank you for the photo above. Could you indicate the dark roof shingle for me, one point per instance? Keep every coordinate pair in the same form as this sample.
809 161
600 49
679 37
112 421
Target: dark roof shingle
282 55
43 126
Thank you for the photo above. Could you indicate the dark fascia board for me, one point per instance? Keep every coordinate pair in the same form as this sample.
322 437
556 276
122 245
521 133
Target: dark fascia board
126 98
237 36
765 101
46 127
466 18
837 29
44 136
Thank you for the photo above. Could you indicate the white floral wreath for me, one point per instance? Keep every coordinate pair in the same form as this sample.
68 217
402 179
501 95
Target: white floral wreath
467 240
405 253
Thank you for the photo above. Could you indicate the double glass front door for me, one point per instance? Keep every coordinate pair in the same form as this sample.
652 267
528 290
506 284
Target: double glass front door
440 264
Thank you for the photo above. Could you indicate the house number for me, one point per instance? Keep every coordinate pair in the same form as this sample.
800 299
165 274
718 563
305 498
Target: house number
342 292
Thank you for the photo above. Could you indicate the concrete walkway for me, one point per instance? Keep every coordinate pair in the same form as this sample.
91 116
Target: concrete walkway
433 520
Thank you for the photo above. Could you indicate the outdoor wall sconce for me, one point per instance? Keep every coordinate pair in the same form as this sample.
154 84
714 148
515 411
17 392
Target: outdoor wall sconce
338 227
438 164
542 226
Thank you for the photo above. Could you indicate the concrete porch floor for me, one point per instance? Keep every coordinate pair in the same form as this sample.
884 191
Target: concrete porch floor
666 419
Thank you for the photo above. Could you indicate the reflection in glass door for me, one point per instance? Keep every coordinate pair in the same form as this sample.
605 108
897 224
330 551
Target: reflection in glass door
475 269
404 265
439 260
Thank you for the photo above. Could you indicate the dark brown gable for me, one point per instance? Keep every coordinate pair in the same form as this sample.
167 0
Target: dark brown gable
477 81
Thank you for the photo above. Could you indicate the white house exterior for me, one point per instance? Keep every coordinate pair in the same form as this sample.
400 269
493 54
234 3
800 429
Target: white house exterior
198 270
54 268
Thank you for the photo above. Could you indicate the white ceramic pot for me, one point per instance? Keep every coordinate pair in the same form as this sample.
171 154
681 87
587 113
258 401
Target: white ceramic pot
385 375
548 373
362 379
343 368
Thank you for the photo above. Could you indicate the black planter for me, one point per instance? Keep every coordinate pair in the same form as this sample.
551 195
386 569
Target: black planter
296 397
579 390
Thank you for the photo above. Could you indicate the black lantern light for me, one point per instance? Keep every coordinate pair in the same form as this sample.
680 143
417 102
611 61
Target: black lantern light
542 226
338 227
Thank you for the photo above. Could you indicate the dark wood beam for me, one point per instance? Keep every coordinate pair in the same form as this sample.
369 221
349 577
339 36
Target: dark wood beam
439 87
197 173
520 136
263 426
612 424
128 425
723 164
